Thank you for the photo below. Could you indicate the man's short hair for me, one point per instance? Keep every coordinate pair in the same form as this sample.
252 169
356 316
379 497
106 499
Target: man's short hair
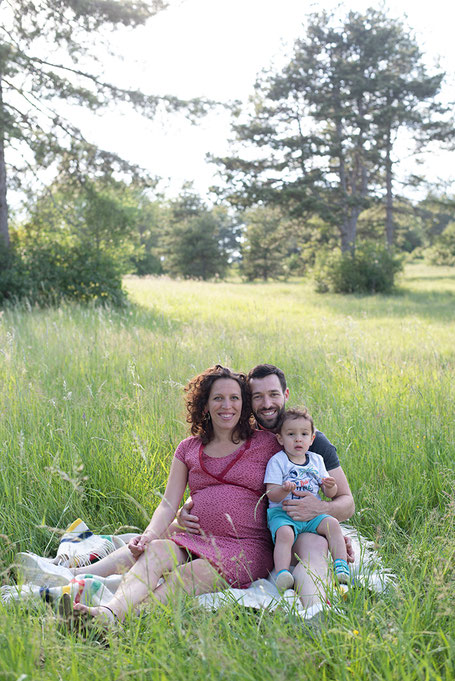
263 370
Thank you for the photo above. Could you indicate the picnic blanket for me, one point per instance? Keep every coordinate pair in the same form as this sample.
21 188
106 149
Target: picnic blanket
42 578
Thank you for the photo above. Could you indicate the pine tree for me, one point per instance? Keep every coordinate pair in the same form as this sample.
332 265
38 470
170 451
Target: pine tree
197 242
33 80
325 126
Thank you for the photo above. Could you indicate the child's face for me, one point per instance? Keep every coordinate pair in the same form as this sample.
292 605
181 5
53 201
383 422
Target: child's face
296 436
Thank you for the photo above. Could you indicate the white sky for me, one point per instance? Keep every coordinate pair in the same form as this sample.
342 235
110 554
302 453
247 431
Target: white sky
214 49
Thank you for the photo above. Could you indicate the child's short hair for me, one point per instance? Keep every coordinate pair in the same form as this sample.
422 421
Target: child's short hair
296 413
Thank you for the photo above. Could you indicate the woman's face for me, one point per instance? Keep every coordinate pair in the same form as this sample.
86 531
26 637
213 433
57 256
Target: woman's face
225 404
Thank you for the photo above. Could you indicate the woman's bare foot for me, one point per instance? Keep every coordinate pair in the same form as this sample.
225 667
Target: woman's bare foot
100 613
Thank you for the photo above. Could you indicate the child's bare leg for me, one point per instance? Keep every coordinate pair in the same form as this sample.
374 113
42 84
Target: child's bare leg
310 573
331 530
160 556
284 540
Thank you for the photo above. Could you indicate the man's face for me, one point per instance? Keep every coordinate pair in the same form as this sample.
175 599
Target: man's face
268 400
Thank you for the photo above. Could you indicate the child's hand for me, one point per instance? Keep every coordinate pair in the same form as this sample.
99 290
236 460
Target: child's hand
329 487
289 486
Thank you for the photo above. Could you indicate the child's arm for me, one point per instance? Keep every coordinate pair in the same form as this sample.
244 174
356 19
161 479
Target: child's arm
329 487
277 493
166 509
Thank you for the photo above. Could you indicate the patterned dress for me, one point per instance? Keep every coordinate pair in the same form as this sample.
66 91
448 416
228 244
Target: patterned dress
227 494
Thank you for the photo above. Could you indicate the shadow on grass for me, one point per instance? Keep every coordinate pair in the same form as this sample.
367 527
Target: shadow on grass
426 305
432 278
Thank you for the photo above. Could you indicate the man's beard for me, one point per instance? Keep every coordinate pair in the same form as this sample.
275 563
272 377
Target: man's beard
270 426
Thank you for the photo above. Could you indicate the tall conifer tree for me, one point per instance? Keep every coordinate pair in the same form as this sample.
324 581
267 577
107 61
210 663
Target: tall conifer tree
324 128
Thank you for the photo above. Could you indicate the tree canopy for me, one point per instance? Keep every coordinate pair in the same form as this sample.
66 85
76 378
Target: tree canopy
44 51
319 137
197 241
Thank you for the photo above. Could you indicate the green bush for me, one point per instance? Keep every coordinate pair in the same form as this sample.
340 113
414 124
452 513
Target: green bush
443 249
50 273
12 274
372 269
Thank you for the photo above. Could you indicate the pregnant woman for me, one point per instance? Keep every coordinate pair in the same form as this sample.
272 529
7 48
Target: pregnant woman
223 463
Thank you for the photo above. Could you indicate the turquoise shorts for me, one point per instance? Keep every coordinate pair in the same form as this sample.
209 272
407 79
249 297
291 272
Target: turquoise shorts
276 518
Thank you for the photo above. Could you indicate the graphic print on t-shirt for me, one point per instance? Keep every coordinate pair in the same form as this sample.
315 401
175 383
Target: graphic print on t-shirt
306 478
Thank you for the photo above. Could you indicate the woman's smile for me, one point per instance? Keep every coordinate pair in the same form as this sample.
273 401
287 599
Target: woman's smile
225 403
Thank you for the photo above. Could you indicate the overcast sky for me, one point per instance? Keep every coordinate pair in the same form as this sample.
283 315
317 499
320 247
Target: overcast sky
214 49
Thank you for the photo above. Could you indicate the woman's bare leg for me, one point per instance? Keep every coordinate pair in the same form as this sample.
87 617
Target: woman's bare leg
160 556
195 577
116 563
311 571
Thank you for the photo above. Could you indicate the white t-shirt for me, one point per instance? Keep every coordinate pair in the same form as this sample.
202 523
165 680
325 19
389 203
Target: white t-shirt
306 476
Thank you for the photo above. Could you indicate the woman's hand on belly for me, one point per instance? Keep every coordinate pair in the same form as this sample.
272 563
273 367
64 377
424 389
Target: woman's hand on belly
186 519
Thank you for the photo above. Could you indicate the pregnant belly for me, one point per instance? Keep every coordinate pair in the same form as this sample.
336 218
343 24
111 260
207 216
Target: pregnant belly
230 511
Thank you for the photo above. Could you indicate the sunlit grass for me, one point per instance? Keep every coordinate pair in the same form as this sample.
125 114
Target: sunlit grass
91 410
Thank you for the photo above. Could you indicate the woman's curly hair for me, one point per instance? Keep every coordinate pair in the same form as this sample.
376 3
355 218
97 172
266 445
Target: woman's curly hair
197 397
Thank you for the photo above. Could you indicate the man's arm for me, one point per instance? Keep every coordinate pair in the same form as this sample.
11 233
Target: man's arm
340 507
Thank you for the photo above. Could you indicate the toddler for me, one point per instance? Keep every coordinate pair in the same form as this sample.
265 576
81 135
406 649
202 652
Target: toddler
295 468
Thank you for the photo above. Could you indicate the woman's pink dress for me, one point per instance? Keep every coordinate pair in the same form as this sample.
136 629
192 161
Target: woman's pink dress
227 499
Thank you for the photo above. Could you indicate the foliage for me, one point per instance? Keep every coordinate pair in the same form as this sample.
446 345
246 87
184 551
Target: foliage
31 74
49 273
408 226
371 269
50 63
13 279
149 220
435 212
197 242
97 214
82 234
76 243
267 246
443 249
319 135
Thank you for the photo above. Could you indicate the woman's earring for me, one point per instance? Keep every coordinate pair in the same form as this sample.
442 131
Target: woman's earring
207 417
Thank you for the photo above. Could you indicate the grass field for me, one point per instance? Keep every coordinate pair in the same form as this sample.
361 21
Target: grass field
91 409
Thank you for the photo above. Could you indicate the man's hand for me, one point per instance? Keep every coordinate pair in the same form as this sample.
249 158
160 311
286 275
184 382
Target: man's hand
305 508
184 518
138 544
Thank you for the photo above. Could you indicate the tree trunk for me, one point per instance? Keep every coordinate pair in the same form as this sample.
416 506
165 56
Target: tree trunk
4 233
348 228
349 231
389 225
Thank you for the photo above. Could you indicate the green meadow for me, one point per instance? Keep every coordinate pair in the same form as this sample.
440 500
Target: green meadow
91 408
